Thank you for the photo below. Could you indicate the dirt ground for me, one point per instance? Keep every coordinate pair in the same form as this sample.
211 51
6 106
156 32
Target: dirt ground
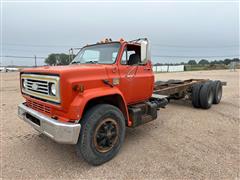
183 143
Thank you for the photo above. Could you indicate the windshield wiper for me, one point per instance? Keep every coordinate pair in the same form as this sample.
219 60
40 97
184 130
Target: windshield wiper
75 62
91 62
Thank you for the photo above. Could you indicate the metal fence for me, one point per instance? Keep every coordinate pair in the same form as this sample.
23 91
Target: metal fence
168 68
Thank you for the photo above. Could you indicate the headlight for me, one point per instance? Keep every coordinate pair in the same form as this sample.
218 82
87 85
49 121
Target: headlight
24 83
53 89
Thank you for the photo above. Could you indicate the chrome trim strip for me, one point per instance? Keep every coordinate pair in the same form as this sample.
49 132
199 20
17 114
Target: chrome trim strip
38 90
41 93
61 132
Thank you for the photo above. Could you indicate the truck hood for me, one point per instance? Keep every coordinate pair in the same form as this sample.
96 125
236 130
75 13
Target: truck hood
90 76
70 69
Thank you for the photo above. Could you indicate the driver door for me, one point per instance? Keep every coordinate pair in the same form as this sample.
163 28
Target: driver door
136 78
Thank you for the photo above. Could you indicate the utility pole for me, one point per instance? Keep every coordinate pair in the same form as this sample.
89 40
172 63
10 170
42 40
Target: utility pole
70 54
35 60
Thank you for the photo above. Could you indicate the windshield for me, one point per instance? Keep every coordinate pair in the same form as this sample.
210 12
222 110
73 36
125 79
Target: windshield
97 54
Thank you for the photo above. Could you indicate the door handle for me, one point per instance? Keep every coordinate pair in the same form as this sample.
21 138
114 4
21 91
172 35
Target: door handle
147 68
114 70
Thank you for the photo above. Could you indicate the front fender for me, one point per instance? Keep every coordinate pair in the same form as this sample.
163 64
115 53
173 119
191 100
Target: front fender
81 100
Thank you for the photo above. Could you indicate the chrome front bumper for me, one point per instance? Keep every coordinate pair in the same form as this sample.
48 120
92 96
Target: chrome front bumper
61 132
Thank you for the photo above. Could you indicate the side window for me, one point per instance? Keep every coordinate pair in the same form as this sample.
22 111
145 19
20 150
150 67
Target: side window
131 55
124 57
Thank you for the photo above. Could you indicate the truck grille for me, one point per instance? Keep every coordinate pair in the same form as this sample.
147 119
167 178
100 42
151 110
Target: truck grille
37 86
38 107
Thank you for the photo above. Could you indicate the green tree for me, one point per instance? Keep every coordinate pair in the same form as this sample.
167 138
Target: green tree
192 62
51 60
58 59
236 60
227 61
63 59
214 62
203 61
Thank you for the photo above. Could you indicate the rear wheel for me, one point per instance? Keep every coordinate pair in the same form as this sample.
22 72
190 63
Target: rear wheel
206 95
102 134
217 90
195 95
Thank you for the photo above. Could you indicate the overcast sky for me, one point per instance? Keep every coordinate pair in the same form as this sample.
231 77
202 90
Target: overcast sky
201 30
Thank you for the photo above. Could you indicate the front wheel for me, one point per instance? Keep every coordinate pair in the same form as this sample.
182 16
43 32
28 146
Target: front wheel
102 134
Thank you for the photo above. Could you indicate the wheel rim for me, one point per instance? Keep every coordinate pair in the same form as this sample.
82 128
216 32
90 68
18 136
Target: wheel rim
210 97
106 135
219 94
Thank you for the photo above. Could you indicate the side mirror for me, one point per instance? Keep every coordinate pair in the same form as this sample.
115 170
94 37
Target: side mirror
144 50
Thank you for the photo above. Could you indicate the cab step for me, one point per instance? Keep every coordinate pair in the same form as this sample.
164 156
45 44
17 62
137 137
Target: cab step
142 113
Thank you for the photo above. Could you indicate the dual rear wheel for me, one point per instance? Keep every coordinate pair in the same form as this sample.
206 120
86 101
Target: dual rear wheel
206 94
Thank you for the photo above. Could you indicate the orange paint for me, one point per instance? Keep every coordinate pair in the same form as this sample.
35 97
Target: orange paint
133 83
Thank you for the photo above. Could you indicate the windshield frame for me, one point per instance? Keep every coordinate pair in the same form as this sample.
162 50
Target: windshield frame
97 44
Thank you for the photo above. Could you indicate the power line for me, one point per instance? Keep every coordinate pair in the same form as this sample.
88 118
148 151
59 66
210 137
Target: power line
154 44
183 56
194 47
36 45
154 55
24 57
24 50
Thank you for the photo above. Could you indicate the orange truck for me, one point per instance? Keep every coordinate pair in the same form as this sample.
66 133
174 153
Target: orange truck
107 87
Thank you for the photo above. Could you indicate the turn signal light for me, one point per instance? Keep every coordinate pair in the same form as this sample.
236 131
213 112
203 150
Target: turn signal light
78 88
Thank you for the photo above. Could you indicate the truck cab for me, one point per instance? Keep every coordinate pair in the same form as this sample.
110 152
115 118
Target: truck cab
107 87
125 69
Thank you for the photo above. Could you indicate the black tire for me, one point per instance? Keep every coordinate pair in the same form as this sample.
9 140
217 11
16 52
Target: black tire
217 90
196 95
93 121
174 81
206 95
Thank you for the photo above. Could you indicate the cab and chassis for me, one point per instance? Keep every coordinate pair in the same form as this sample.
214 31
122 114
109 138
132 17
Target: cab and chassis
107 87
